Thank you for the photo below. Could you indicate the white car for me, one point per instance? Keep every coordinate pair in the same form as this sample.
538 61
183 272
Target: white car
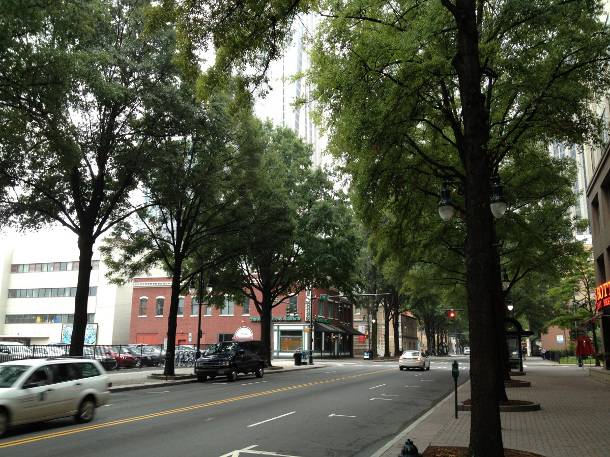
35 390
466 350
413 359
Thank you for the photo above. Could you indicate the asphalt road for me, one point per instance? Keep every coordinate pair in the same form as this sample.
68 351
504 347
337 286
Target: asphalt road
343 409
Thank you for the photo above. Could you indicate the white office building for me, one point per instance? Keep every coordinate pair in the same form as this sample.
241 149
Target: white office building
38 277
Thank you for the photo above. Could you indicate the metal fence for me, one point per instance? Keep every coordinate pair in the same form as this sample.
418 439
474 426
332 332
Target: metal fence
111 356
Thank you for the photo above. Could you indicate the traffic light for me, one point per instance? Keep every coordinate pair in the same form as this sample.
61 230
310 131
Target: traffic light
451 314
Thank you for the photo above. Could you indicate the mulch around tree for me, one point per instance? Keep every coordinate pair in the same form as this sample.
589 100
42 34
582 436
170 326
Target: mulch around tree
504 403
458 451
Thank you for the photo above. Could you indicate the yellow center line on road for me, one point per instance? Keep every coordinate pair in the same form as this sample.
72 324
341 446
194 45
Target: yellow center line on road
178 410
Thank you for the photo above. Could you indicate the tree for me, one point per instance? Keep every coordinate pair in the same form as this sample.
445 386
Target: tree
301 231
195 193
575 303
75 101
416 93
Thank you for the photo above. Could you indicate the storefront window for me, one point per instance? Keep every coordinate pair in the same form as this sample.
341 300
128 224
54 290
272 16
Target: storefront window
291 340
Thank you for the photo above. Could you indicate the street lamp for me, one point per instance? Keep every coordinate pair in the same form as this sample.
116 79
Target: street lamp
497 203
510 307
199 289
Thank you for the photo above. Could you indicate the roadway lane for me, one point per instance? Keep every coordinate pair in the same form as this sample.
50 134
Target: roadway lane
341 409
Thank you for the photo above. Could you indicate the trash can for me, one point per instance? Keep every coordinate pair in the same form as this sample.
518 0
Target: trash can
298 359
305 358
367 355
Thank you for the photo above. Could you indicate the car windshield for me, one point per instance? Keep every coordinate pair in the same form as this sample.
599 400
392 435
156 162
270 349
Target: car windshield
10 373
411 354
222 349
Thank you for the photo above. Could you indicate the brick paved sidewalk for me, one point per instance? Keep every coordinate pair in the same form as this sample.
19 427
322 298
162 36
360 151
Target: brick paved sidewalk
572 421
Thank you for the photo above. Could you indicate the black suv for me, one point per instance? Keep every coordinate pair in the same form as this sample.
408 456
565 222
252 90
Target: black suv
231 357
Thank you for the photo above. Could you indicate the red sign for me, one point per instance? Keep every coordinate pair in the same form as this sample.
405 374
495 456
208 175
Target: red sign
362 338
602 295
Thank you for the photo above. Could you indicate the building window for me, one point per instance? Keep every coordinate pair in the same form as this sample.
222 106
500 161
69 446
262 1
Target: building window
225 337
194 307
143 306
207 309
51 266
291 340
159 308
227 309
292 304
44 318
246 308
356 309
48 292
321 307
330 310
181 306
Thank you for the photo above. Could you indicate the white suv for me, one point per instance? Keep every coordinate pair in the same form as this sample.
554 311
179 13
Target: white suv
34 390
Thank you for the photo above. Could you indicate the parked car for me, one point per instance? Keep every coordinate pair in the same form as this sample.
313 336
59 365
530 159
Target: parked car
10 350
466 350
122 356
108 362
47 351
156 354
34 390
143 358
229 358
413 359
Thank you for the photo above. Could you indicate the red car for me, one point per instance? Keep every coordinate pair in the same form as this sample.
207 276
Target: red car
122 356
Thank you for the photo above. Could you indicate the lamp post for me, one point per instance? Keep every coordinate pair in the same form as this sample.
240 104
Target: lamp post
497 203
199 290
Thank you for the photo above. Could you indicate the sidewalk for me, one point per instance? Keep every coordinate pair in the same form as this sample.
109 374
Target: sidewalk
572 421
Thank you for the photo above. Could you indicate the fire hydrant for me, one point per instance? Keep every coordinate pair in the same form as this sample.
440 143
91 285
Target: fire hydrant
409 450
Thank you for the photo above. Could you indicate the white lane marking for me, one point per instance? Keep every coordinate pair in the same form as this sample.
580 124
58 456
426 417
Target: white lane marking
272 419
249 450
375 387
339 415
386 399
388 395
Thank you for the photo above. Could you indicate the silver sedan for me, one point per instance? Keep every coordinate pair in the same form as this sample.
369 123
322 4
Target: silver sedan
413 359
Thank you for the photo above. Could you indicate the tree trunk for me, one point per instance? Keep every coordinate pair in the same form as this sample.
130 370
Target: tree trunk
172 321
396 322
483 294
386 332
81 300
265 313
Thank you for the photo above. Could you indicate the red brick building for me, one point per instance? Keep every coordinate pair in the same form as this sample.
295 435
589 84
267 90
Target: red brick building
331 331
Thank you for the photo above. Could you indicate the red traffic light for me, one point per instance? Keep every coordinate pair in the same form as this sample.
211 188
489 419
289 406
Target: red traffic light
451 314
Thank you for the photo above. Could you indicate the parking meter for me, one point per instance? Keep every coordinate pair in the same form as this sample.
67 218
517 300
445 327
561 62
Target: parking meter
455 373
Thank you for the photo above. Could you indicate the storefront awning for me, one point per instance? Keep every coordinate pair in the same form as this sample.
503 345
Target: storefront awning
350 330
327 328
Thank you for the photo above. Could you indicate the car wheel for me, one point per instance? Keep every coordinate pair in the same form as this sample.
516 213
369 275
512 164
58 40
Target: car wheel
3 422
232 376
201 378
401 368
260 371
86 411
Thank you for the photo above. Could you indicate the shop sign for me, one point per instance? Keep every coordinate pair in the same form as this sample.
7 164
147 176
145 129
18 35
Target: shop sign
244 333
602 295
278 319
